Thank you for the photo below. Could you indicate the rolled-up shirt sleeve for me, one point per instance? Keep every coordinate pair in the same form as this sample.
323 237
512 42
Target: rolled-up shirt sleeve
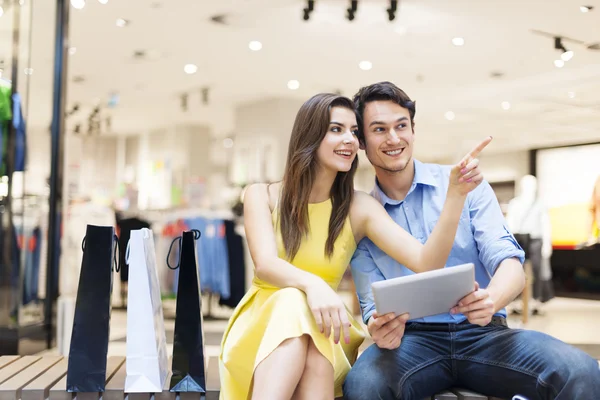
365 272
494 240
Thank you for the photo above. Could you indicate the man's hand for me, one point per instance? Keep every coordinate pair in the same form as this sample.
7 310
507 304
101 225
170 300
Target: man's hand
387 330
478 307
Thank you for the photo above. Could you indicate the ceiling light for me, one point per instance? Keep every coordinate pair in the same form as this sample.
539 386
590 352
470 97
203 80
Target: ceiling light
571 95
559 63
228 143
72 50
103 1
293 84
449 115
28 71
190 68
585 9
458 41
1 11
506 105
567 55
365 65
121 23
78 4
255 45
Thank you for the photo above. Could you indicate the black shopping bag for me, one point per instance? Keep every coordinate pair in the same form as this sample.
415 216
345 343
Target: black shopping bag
89 340
189 373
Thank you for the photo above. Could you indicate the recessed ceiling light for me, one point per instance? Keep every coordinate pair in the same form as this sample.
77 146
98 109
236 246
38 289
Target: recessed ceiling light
72 50
559 63
567 55
449 115
28 71
190 68
103 1
78 4
293 84
571 95
458 41
121 23
228 143
506 105
255 45
585 9
365 65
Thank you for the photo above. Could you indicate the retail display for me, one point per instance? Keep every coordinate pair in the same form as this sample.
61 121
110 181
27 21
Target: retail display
221 255
527 215
147 363
91 326
189 368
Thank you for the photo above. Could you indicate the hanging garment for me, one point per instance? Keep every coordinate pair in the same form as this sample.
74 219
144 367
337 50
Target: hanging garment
543 288
5 109
20 135
237 266
213 260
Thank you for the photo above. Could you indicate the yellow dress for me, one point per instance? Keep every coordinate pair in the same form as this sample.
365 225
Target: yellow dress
268 315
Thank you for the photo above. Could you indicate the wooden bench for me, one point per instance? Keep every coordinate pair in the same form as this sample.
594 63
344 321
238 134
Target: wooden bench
45 378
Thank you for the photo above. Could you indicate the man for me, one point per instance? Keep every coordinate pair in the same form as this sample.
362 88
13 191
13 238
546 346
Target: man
470 346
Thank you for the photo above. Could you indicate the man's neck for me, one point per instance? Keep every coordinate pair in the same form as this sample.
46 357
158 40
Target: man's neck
396 185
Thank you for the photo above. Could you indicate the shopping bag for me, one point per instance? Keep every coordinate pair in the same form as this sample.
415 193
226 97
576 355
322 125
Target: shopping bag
188 366
146 358
91 323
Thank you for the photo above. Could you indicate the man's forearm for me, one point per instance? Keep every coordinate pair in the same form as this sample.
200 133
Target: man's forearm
508 282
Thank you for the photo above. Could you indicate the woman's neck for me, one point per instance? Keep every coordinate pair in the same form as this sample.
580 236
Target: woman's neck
322 184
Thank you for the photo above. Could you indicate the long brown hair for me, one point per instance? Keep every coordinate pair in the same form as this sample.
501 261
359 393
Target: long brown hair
310 127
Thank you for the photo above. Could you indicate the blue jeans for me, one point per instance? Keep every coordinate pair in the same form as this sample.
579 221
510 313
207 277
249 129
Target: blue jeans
493 360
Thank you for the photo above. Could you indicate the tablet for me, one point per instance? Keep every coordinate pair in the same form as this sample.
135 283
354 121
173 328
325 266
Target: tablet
424 294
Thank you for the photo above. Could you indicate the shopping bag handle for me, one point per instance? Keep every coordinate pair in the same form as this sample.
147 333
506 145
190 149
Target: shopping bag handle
116 239
197 235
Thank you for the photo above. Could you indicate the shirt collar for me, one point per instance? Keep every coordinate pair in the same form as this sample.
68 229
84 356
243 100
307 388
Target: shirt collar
423 176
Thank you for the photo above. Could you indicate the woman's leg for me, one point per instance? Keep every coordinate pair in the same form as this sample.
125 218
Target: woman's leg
317 379
277 376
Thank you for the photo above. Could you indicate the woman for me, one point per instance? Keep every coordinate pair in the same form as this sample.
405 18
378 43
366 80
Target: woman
292 336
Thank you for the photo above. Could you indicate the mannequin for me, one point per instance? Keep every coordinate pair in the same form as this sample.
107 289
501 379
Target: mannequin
526 214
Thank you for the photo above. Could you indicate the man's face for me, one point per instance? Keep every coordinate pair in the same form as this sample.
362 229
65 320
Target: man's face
389 135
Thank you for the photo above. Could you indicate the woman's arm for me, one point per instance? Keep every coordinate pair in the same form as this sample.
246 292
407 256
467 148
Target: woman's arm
375 223
326 306
262 244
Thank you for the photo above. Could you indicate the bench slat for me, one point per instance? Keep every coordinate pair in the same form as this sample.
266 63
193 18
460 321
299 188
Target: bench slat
445 395
464 394
115 388
6 360
11 389
39 389
59 390
15 367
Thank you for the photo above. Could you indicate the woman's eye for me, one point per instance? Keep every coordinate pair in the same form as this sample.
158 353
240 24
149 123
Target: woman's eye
335 129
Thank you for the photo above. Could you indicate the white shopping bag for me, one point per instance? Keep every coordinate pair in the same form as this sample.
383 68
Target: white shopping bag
146 362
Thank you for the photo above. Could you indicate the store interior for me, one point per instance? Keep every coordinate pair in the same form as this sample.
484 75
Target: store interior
173 107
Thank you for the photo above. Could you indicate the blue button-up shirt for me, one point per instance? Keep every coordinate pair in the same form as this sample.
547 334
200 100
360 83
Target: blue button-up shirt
482 237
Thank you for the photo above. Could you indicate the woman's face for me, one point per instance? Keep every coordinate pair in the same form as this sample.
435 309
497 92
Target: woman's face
340 145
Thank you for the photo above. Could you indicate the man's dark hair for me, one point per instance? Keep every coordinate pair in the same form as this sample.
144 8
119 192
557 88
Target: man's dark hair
381 91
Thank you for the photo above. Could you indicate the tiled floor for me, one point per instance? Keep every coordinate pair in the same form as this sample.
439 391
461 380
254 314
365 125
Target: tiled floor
571 320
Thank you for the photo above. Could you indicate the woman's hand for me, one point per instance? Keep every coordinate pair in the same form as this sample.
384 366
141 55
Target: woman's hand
466 175
329 310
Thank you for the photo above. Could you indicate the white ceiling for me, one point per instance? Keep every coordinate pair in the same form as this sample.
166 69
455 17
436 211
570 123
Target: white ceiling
415 51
